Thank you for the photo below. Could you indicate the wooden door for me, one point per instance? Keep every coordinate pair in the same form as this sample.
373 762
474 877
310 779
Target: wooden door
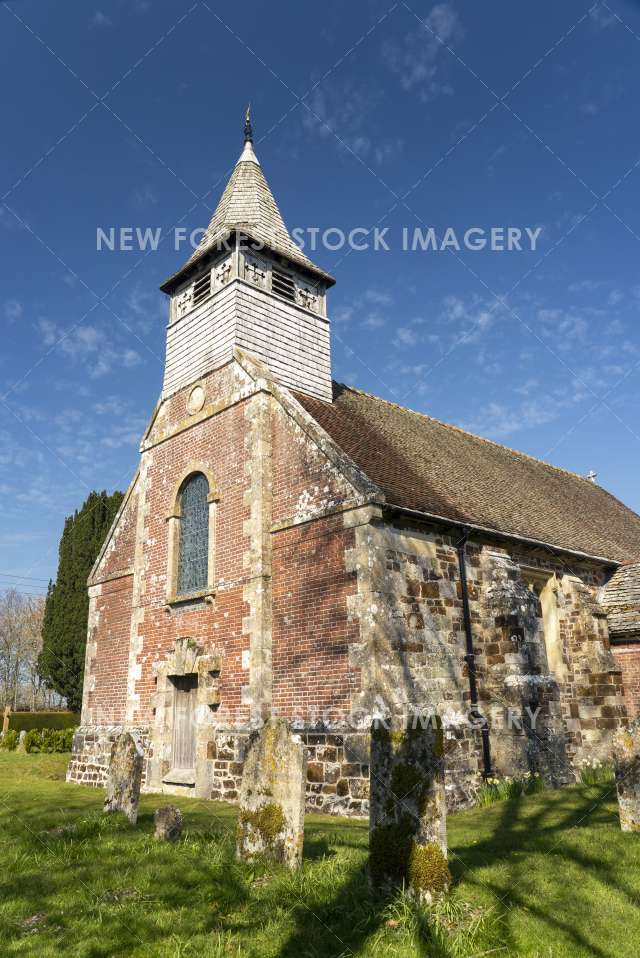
184 725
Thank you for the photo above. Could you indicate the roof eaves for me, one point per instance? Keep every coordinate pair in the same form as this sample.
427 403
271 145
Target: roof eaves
499 533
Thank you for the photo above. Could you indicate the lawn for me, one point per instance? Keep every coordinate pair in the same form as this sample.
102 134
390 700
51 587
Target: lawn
546 875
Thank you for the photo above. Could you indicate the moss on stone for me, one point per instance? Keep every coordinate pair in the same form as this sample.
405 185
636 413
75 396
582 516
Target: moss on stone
428 871
268 821
389 850
406 781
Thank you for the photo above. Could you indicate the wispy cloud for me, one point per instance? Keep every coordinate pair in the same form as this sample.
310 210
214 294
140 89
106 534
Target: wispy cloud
87 345
99 20
602 17
414 59
13 310
609 93
343 108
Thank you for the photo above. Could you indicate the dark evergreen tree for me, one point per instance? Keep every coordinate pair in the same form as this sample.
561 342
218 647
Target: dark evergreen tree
64 632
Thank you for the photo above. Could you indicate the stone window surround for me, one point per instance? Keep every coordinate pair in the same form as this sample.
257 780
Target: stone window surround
173 536
548 587
186 658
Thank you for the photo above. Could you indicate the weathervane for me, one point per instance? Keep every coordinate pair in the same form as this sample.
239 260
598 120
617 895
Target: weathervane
248 129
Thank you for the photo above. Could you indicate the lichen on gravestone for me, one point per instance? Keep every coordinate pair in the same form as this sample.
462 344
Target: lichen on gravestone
272 796
626 758
407 824
168 822
124 777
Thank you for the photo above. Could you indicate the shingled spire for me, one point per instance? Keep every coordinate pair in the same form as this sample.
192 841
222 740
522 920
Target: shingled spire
248 207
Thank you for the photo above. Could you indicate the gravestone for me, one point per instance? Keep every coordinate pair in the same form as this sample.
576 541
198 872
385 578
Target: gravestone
124 777
626 758
168 822
6 719
272 796
407 819
22 745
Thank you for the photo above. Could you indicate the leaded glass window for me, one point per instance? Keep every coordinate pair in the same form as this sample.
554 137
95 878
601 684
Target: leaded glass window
193 554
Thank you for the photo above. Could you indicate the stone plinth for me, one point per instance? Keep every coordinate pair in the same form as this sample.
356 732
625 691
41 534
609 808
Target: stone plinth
626 756
124 777
272 796
407 825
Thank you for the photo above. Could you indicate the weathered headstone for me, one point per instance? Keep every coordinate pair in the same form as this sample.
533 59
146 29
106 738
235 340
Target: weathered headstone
272 795
6 719
22 745
626 758
124 777
407 823
168 822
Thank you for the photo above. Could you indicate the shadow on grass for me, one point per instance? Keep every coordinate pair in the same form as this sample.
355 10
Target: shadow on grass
553 824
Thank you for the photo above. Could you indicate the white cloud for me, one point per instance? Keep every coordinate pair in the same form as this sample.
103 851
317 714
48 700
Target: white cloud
610 92
602 16
87 345
406 336
100 20
341 109
497 420
378 297
414 59
12 310
373 321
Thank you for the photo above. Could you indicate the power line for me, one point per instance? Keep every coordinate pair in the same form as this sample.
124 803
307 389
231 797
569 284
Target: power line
14 575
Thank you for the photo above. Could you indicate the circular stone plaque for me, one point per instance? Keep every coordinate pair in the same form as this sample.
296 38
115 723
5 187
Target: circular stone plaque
195 402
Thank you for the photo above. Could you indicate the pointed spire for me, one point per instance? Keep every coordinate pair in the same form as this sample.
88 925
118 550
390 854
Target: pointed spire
247 205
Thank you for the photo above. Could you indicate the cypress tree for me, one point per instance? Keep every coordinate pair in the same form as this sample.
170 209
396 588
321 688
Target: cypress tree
64 632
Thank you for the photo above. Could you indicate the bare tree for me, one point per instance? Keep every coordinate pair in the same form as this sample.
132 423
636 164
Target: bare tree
20 642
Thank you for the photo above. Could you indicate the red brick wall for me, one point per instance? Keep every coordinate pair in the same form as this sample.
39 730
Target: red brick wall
218 444
109 666
628 661
312 628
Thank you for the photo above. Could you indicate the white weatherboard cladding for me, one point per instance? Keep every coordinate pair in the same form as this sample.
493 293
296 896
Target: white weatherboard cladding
293 342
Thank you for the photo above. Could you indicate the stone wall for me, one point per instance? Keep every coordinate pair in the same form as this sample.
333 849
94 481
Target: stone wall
92 751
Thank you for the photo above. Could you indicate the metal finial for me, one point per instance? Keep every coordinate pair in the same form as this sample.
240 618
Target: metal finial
248 129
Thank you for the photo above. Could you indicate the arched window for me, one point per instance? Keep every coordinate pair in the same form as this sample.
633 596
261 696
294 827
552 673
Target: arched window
193 547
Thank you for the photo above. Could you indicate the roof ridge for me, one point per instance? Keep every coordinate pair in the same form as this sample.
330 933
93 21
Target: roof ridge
467 432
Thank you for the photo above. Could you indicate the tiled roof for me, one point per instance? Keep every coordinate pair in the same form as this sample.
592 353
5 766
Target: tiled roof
425 465
622 601
248 206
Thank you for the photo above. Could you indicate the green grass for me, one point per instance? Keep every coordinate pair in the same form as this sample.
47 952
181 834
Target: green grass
549 874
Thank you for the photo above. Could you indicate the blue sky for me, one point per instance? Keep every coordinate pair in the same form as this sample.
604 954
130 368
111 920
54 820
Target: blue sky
129 113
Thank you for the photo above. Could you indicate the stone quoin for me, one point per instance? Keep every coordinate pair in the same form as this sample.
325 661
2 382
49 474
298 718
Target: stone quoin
293 547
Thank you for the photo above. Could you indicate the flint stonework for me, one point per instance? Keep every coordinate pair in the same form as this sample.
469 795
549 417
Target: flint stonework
272 796
407 824
626 756
124 777
168 822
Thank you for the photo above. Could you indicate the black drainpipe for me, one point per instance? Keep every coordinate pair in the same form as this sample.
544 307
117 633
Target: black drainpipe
470 657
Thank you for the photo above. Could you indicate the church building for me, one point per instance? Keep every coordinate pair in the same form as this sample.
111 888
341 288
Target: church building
295 547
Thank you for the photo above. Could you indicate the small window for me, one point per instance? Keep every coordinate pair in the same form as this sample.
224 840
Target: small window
202 288
283 285
193 552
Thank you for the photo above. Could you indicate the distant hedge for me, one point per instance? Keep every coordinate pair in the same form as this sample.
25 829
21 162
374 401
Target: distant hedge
28 720
39 740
